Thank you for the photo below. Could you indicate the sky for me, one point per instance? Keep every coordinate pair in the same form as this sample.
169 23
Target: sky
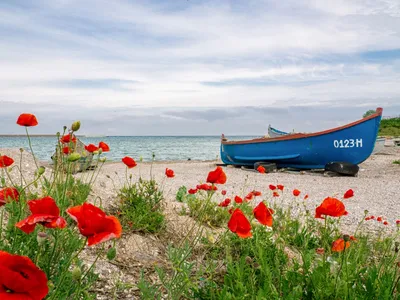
193 67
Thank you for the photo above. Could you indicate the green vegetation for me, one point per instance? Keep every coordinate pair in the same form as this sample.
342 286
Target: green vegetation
141 208
390 127
397 162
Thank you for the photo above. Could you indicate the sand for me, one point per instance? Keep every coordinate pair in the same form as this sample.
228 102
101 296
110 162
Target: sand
376 189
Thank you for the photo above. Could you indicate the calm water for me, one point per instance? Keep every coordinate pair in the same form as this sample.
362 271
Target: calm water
164 147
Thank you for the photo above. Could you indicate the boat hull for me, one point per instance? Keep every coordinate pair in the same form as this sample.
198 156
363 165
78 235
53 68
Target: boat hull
351 143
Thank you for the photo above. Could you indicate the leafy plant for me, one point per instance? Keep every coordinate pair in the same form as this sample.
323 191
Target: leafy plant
181 194
141 207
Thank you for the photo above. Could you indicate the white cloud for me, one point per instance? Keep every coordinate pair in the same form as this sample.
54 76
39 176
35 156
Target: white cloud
202 54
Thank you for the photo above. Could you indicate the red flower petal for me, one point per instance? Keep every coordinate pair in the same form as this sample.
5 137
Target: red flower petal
223 192
66 139
27 120
261 169
296 192
129 162
339 244
272 187
280 187
8 194
5 161
94 224
21 279
239 224
192 191
217 176
263 214
330 207
103 146
256 193
349 193
169 173
238 200
91 148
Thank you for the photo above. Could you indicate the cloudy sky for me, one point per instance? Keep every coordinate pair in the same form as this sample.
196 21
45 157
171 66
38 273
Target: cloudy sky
197 67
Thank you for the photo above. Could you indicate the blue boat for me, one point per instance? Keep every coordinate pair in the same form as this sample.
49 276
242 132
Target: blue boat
351 143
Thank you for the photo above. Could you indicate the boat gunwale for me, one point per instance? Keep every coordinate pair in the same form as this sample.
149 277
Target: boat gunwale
296 136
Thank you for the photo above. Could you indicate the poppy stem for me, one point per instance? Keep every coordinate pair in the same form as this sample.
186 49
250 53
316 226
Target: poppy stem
30 147
59 283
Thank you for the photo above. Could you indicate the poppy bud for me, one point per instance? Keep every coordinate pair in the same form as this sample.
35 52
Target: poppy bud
76 273
346 237
366 212
111 253
41 238
141 159
41 170
103 159
74 157
21 150
3 181
65 127
35 184
76 125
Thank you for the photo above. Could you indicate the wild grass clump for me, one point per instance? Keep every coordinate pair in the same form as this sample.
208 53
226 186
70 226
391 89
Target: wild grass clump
141 208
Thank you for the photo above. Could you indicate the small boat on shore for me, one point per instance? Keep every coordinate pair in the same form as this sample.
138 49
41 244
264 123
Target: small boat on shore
273 132
352 143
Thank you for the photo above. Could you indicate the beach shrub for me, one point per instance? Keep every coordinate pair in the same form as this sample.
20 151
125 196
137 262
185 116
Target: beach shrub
141 208
181 194
207 212
397 162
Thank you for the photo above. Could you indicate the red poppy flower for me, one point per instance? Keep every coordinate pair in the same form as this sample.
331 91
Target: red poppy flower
192 191
5 161
239 224
95 224
27 120
65 139
306 197
45 212
261 169
21 279
8 194
385 223
249 196
103 146
397 222
280 187
349 193
352 238
256 193
372 217
206 187
275 194
379 219
238 200
67 150
263 214
169 173
91 148
339 244
225 203
272 187
296 192
320 251
330 207
223 192
217 176
129 162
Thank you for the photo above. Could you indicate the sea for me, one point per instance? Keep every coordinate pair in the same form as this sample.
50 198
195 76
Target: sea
164 148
